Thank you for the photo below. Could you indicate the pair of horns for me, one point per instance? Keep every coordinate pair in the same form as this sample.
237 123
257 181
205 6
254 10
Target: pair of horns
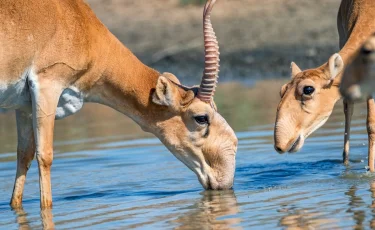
211 56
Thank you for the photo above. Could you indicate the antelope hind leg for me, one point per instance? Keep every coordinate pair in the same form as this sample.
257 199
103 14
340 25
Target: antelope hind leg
25 154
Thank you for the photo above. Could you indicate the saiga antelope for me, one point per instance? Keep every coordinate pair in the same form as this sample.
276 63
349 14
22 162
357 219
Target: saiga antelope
56 55
308 99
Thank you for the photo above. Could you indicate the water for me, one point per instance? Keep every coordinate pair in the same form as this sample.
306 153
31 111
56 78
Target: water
108 174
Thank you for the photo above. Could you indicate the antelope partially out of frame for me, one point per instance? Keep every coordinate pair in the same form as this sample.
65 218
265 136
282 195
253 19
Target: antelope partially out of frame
359 76
56 55
308 99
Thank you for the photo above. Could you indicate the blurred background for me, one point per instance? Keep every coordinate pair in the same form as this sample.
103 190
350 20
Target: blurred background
258 39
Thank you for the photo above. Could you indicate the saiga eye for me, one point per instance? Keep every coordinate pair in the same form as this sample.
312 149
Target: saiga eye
202 120
366 51
308 90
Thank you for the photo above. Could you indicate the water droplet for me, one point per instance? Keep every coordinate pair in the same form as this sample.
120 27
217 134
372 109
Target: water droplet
362 161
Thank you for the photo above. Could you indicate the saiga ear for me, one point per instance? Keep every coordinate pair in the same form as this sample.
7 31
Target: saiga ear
164 92
171 77
295 69
335 66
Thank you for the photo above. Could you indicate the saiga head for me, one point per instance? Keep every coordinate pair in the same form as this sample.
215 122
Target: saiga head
187 122
306 103
359 77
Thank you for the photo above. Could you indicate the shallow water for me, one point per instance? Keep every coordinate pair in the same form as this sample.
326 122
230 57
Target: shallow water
108 174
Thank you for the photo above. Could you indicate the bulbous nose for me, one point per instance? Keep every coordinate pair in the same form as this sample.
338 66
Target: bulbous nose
279 149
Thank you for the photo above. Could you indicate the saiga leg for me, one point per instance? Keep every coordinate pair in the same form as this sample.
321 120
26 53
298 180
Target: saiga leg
25 154
348 110
45 95
371 132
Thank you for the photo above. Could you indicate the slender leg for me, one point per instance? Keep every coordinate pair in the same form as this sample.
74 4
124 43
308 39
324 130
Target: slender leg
371 132
348 110
25 154
44 95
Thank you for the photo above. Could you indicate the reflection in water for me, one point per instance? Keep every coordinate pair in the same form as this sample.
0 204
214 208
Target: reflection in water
303 219
213 211
356 202
356 208
306 219
22 221
46 217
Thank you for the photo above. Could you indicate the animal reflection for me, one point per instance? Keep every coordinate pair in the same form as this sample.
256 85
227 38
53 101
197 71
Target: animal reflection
208 212
305 219
46 217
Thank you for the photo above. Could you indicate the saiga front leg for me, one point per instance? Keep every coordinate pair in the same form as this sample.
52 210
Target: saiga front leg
348 110
25 154
371 132
45 94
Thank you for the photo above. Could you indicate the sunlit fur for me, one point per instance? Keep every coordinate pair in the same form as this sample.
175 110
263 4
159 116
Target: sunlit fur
50 46
359 77
297 117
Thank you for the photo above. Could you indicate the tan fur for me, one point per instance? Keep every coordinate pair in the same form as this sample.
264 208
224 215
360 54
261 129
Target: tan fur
298 114
61 44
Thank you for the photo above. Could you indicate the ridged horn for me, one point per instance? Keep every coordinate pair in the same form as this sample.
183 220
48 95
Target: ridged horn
211 56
